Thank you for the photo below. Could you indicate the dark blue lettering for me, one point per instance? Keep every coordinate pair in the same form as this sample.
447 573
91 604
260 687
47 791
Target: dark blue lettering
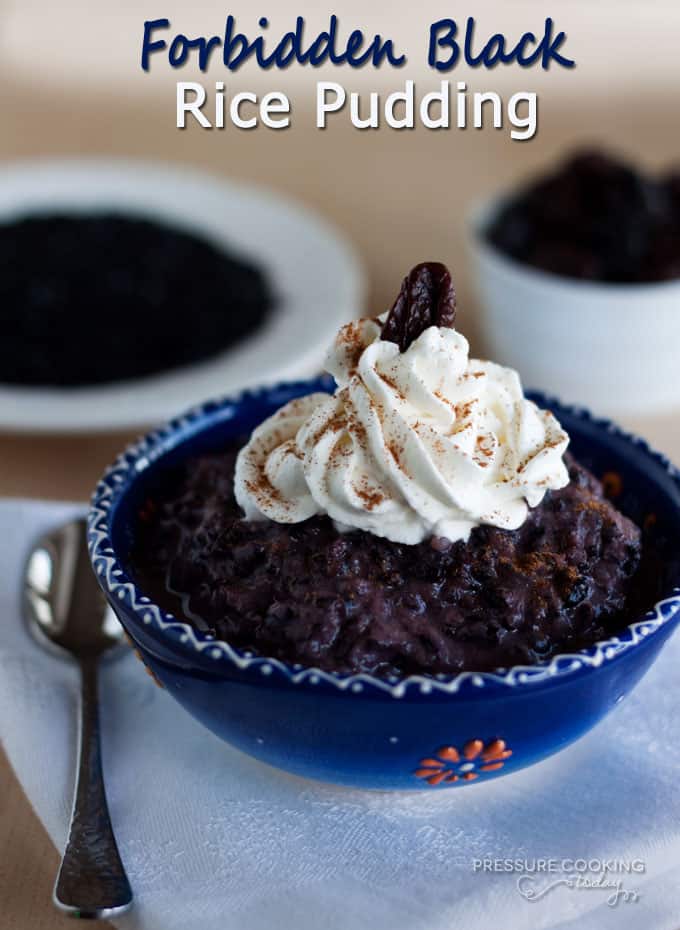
205 53
550 47
147 45
496 50
234 43
181 46
319 49
237 48
282 57
354 43
523 60
448 40
333 56
385 51
492 52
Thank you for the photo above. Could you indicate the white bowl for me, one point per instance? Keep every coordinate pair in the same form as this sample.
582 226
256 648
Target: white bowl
612 347
314 274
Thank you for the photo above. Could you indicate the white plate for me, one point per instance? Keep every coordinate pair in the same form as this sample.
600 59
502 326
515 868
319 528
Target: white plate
315 276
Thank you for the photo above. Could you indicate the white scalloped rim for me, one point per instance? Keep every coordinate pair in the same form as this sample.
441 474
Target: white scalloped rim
118 585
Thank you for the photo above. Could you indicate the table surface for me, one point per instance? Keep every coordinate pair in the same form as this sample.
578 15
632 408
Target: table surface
411 189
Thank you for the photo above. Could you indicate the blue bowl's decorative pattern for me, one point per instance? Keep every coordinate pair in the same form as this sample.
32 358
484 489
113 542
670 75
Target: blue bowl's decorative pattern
291 716
449 765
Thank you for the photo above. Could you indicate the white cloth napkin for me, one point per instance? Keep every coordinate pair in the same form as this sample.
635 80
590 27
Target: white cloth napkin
215 840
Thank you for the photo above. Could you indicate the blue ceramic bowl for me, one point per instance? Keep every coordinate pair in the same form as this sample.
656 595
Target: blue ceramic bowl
414 732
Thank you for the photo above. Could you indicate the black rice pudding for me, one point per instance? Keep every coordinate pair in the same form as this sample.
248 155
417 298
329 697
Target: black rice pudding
353 602
463 538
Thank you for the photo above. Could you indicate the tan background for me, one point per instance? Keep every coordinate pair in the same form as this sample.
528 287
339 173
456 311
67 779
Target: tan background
400 197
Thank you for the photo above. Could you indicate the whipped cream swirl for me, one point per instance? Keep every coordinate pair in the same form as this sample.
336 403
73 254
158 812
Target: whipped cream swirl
425 442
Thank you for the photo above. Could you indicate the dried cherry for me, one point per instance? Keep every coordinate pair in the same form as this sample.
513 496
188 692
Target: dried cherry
427 298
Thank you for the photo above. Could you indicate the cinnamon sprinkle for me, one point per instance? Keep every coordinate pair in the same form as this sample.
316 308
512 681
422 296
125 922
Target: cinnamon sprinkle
334 425
351 337
482 448
395 451
594 506
265 491
391 383
371 498
444 399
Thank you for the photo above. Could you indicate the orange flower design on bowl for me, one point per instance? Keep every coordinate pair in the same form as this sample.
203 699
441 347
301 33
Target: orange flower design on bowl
448 764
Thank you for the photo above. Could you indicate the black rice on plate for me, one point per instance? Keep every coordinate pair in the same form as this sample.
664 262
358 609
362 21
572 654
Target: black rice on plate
94 298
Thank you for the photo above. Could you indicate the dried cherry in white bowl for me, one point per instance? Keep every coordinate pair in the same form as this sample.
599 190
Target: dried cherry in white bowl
612 347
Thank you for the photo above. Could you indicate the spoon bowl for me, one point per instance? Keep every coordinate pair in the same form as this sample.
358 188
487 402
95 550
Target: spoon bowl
57 568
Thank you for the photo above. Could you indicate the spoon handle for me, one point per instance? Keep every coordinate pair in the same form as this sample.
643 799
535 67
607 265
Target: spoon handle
92 881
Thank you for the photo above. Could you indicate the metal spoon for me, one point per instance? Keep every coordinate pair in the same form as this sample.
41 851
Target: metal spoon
69 615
